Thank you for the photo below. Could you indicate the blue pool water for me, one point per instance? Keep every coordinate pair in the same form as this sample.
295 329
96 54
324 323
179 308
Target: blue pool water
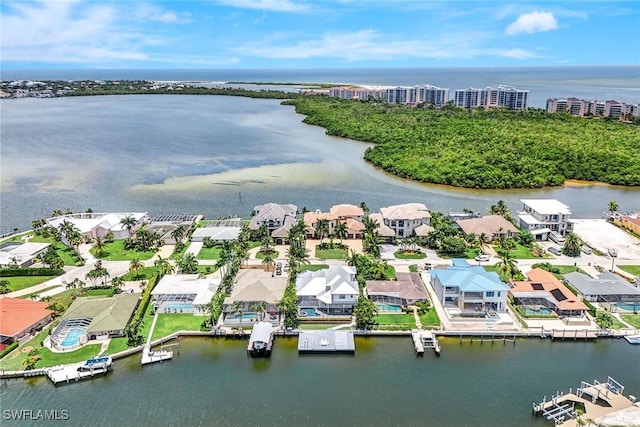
628 307
389 307
73 337
308 312
178 306
244 316
541 311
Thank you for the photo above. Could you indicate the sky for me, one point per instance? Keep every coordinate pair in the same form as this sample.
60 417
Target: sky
258 34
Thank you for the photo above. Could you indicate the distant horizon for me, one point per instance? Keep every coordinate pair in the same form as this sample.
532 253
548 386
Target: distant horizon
311 34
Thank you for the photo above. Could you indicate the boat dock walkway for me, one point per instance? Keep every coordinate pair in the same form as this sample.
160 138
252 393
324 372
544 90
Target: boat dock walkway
424 339
326 341
153 356
261 340
598 399
73 372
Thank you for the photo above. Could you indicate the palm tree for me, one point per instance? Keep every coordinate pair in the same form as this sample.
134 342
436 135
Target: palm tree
340 230
613 208
268 260
164 265
177 234
266 244
483 241
188 264
507 265
236 309
56 212
128 222
572 245
364 207
260 307
99 245
369 225
135 267
322 226
117 283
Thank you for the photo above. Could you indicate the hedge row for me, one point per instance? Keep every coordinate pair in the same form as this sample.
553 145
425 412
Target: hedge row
9 349
146 298
43 271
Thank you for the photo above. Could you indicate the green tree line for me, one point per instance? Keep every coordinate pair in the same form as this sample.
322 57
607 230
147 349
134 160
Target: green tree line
479 148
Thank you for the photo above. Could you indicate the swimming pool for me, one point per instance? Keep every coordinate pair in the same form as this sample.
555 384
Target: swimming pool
73 337
178 307
628 307
537 311
308 312
393 308
243 316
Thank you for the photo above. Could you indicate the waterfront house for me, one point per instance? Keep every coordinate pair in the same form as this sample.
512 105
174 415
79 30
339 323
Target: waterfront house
21 254
383 230
407 289
608 288
629 222
492 226
545 216
253 286
350 215
218 231
404 219
331 291
543 289
469 288
276 217
21 318
183 293
91 225
94 318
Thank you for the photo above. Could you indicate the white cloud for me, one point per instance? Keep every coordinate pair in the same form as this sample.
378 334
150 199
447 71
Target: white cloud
150 12
532 22
272 5
369 44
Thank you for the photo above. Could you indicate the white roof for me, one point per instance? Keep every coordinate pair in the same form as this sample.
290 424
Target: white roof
547 206
406 211
217 233
108 221
337 278
529 219
21 252
187 284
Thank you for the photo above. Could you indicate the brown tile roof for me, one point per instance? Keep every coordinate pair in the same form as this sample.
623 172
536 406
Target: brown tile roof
346 211
547 284
631 219
489 225
409 286
17 314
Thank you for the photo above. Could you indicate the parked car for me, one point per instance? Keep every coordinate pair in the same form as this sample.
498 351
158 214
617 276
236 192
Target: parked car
483 257
586 249
555 250
557 238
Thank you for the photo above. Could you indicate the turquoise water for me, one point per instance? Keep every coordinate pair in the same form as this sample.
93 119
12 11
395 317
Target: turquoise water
244 316
383 384
628 307
541 311
308 312
389 307
178 306
73 337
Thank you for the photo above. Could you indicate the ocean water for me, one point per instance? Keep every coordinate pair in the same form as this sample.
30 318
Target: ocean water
621 83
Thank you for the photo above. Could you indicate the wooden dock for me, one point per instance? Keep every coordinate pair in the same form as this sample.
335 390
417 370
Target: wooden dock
326 341
597 398
73 372
153 356
424 339
584 334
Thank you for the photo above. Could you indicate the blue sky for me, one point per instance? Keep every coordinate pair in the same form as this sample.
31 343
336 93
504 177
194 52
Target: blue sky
315 33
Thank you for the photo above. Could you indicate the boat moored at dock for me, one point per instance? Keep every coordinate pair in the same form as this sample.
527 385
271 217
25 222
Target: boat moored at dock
261 340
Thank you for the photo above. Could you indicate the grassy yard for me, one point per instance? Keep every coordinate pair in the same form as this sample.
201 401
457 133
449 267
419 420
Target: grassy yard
115 251
410 255
313 267
430 318
170 323
331 253
632 319
413 269
631 269
144 274
316 326
521 252
617 324
566 269
402 321
261 255
117 345
390 272
17 283
175 255
27 296
209 253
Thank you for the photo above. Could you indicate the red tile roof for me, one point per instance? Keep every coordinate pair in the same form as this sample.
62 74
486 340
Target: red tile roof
565 299
17 314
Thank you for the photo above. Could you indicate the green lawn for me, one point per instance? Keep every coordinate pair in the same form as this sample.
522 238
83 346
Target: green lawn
38 292
115 251
144 274
410 255
413 269
617 324
170 323
404 320
117 345
430 318
313 267
390 272
17 283
521 252
632 319
261 255
175 255
315 326
67 254
566 269
631 269
331 253
209 253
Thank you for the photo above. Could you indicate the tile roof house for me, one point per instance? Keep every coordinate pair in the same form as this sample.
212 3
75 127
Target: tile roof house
253 286
407 289
469 288
276 217
331 291
21 254
543 289
20 318
492 226
99 224
606 287
351 215
184 293
404 219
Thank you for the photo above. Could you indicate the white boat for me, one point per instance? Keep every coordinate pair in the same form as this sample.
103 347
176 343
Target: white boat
98 362
632 339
